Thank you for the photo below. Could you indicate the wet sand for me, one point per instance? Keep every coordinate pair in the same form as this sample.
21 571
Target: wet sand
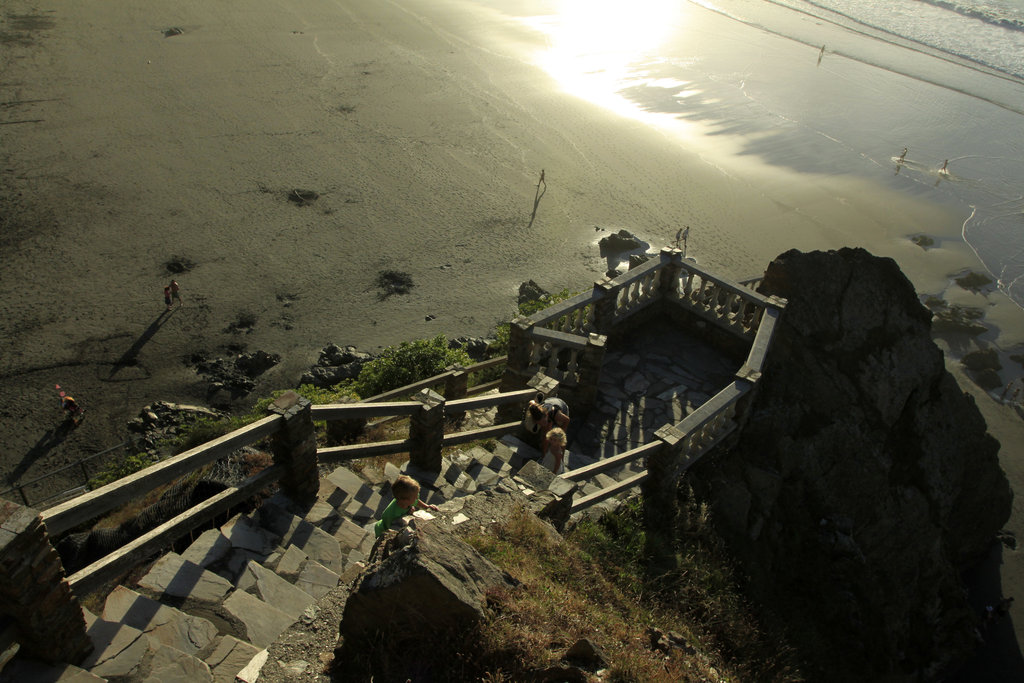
144 141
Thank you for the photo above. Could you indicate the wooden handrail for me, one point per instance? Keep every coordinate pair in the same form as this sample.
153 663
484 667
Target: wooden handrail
90 505
461 404
347 411
482 433
614 462
362 450
123 559
605 493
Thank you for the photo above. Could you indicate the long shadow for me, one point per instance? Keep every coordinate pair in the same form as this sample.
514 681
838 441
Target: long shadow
536 201
131 357
47 442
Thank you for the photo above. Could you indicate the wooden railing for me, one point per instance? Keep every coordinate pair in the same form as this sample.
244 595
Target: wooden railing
89 506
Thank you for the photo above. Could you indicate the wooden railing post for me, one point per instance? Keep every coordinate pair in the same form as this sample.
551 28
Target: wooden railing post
426 431
294 447
604 306
34 591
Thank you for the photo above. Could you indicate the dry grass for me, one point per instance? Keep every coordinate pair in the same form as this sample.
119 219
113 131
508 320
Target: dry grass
593 584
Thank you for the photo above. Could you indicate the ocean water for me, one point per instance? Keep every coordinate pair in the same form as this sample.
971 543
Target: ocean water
841 89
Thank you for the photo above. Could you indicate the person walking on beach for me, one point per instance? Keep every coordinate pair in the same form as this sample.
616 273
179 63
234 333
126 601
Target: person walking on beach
70 406
175 294
541 181
167 297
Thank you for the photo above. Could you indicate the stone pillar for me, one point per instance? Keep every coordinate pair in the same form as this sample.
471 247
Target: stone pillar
543 385
456 385
668 273
517 367
294 447
604 307
590 373
426 429
661 507
34 592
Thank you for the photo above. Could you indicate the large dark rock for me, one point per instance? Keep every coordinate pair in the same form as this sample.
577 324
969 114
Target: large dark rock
865 480
619 242
421 577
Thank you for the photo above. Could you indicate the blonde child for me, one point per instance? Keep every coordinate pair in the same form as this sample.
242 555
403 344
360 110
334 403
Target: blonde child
407 498
554 457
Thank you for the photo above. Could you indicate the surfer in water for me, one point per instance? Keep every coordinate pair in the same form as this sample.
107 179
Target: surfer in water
944 170
902 156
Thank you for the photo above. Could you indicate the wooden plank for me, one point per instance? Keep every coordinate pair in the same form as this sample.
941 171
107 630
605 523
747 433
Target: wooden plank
483 433
84 508
427 383
486 386
605 493
462 404
348 411
487 364
588 471
122 560
362 450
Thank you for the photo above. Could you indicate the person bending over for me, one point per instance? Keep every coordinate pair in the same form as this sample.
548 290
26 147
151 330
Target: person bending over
407 499
544 413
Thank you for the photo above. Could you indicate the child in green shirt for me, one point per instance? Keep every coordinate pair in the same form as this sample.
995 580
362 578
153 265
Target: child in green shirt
407 498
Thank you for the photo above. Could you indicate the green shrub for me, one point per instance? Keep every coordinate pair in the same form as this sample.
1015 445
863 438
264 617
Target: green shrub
115 470
501 333
407 363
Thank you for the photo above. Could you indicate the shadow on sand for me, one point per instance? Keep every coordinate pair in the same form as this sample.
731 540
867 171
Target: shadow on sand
47 442
130 358
536 201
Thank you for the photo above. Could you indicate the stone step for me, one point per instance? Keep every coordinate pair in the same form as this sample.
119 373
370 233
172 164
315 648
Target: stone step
121 651
262 571
23 670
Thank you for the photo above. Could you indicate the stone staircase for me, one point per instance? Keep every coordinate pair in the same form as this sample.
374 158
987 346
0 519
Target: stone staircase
210 612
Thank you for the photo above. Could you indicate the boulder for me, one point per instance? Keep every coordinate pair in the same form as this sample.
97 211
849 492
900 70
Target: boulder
619 242
474 347
864 481
531 291
256 363
423 572
335 365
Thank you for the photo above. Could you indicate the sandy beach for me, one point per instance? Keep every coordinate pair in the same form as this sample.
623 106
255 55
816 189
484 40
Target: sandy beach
142 142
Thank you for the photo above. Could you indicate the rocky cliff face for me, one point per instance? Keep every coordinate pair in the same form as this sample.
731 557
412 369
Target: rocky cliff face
865 480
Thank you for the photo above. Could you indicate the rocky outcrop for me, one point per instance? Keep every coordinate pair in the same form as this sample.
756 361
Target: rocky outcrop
335 365
423 574
865 480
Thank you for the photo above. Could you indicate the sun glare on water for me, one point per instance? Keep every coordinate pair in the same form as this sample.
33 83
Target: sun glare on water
595 45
